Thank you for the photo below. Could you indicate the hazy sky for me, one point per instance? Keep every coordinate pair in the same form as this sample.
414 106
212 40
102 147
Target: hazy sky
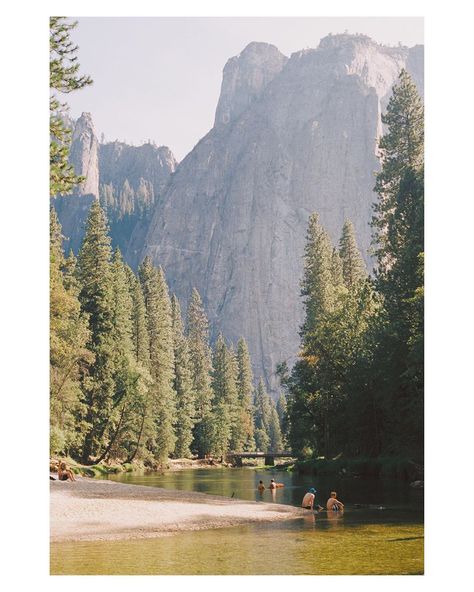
159 78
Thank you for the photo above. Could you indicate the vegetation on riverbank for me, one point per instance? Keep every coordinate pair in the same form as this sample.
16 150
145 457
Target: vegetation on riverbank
357 387
379 467
135 381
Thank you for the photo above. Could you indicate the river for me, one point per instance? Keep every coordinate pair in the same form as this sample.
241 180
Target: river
380 532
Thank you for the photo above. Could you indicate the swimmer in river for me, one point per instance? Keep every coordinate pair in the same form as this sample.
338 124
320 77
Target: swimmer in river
309 500
333 503
261 487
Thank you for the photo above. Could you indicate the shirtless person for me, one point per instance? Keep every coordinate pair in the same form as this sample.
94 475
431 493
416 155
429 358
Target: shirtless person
333 503
64 473
309 500
261 486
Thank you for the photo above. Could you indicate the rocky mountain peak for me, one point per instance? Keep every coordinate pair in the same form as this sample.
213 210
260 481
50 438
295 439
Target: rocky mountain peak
377 66
84 155
232 220
245 77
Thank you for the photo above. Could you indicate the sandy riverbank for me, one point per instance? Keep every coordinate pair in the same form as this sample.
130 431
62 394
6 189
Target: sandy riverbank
90 510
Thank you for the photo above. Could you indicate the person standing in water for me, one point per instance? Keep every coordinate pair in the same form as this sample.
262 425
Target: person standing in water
333 503
261 487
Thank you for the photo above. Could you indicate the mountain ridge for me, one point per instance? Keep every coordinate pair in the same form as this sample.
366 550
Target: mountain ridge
233 217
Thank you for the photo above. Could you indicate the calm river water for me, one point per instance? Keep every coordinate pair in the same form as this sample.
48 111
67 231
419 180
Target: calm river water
381 531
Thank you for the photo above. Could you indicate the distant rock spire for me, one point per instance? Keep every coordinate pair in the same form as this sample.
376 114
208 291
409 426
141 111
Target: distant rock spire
84 155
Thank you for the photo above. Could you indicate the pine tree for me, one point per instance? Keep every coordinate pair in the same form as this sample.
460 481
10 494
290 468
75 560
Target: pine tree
398 220
64 78
336 270
141 348
274 430
245 394
130 379
281 408
69 335
201 367
141 426
398 241
317 286
316 383
353 267
262 417
224 398
183 385
96 298
160 334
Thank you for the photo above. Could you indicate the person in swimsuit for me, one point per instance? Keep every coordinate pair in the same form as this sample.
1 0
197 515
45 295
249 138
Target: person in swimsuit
64 473
309 498
261 486
273 485
333 503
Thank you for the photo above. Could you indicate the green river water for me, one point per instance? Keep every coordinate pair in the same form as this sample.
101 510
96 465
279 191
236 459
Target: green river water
380 532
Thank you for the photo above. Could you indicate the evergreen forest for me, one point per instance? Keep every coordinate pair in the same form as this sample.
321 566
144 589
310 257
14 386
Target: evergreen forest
133 377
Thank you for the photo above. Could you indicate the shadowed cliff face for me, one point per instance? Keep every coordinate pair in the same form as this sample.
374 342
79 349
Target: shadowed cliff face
127 180
291 136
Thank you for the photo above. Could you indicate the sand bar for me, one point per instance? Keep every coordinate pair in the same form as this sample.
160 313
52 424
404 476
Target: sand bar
89 510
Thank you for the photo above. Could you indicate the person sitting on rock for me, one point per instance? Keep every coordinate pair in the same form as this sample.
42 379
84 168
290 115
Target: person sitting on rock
333 503
64 473
309 500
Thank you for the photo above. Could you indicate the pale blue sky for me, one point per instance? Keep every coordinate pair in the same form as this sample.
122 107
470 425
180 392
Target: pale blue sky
159 78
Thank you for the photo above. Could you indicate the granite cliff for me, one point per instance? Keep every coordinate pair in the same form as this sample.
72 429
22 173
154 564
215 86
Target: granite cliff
127 180
291 136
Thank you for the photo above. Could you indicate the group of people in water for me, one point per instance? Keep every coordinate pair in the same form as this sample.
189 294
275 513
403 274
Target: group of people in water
309 499
333 504
273 485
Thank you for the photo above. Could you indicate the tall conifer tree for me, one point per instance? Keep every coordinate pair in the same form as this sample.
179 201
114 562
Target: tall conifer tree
201 367
160 334
69 356
317 286
353 267
245 394
274 430
63 77
141 425
398 240
281 408
262 417
183 385
96 297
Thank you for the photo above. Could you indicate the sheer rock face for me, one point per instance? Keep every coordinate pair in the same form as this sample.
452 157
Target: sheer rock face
84 155
120 162
143 170
291 136
245 77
